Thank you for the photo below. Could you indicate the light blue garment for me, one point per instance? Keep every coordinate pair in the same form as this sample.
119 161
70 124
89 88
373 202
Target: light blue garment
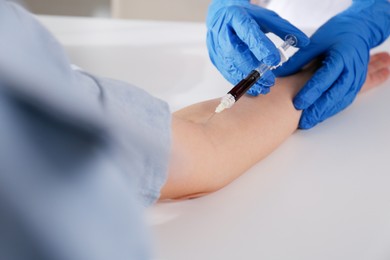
344 44
237 42
141 126
80 156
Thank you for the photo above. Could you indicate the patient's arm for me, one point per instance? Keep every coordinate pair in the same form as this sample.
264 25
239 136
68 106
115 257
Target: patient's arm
208 156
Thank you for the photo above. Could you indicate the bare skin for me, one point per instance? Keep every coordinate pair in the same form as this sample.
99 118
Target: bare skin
207 156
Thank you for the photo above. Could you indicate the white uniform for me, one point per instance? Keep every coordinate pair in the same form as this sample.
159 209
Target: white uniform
308 13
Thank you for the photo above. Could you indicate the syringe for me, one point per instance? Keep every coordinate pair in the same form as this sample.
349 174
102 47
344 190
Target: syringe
244 85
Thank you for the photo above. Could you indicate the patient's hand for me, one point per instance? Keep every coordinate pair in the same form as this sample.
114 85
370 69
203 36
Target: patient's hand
378 71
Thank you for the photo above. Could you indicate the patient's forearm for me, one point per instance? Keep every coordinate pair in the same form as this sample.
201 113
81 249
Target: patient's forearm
208 156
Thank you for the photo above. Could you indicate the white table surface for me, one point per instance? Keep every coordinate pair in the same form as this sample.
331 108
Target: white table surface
324 194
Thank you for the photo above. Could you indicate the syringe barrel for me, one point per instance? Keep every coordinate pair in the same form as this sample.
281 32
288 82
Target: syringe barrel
244 85
262 69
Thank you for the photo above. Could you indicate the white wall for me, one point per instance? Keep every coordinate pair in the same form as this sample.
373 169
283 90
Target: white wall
69 7
173 10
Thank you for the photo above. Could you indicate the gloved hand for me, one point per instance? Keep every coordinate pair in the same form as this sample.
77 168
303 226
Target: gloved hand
237 43
344 43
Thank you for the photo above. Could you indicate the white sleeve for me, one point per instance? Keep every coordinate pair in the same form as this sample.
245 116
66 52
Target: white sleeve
308 13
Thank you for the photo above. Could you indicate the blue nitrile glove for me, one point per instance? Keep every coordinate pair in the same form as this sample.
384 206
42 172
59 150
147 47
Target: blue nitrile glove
237 43
344 43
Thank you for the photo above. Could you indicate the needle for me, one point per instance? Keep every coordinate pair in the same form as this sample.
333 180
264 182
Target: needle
208 120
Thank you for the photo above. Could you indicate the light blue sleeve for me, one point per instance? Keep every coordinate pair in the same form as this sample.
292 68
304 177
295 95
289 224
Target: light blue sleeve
142 126
38 68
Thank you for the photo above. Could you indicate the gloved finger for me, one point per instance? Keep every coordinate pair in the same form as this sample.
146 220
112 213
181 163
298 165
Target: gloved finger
322 80
298 61
331 102
225 42
281 27
263 85
348 100
225 48
268 79
260 45
344 91
258 89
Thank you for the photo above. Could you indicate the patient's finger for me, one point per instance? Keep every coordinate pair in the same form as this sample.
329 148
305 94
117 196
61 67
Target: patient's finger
379 61
380 76
376 78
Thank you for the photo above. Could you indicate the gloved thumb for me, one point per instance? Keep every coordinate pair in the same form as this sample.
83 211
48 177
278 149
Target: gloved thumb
272 22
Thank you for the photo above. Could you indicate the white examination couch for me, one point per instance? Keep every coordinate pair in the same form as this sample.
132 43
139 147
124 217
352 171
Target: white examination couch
324 194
